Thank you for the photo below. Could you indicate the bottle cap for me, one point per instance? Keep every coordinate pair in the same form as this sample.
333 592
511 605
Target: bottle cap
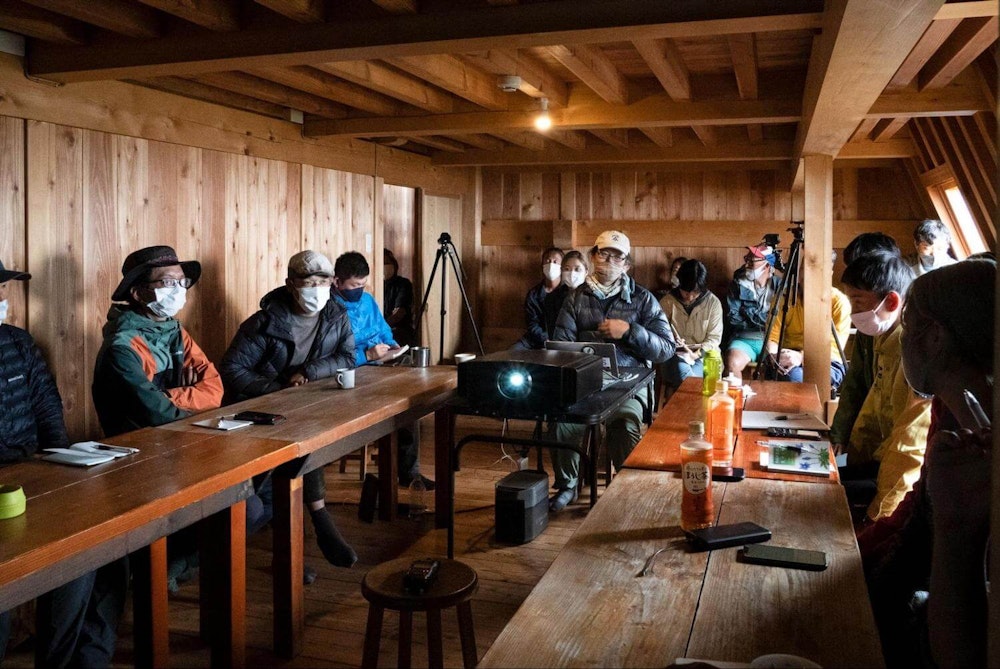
734 381
722 386
696 428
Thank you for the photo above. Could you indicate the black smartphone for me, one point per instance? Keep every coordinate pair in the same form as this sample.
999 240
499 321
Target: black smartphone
795 433
781 556
723 536
259 417
728 474
420 575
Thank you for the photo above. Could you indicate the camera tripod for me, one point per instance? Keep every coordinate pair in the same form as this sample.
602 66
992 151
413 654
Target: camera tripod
446 249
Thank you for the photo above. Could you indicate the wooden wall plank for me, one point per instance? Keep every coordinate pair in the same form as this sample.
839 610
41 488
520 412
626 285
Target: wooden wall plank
399 215
12 221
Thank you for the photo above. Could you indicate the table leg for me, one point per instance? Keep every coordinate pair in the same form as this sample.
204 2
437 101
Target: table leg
223 585
593 435
373 637
405 639
435 649
149 602
287 566
444 470
388 474
467 632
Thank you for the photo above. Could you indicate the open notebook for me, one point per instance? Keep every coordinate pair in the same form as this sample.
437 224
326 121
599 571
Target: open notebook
87 453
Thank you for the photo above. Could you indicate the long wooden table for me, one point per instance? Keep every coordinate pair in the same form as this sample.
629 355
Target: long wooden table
659 448
78 519
592 610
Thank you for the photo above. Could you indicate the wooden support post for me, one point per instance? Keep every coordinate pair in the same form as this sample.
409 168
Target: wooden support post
223 585
289 620
816 271
149 605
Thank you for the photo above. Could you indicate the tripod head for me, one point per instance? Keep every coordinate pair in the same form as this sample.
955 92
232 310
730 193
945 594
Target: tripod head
444 239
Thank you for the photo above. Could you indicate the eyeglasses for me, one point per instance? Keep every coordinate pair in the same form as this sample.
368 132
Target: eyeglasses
170 282
613 258
313 282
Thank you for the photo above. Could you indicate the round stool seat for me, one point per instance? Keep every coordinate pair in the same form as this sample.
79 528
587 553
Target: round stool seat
383 586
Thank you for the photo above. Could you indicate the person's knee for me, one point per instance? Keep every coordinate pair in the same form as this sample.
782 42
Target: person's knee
736 360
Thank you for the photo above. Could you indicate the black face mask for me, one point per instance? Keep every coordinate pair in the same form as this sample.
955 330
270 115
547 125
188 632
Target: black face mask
352 295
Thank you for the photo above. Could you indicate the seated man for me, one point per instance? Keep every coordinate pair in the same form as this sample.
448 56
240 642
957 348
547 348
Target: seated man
933 242
611 307
398 298
751 293
299 335
695 315
789 359
889 434
372 341
534 302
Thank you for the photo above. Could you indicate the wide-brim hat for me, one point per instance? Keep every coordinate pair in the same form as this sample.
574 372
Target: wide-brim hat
138 262
12 274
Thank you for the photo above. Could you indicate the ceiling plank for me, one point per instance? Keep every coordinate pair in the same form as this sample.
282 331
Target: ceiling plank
29 21
885 129
743 50
319 83
397 6
755 132
864 130
442 143
615 137
481 142
563 22
391 82
240 82
862 45
932 39
706 134
594 69
533 73
962 97
663 137
526 140
963 47
303 11
667 65
568 138
455 76
967 10
198 91
117 16
220 15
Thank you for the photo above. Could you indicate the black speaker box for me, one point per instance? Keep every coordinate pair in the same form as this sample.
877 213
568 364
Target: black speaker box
522 506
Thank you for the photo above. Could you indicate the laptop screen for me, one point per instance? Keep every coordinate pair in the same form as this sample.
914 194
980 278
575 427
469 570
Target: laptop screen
605 350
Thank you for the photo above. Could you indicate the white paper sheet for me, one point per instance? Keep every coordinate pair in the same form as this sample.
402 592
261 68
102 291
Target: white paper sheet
761 420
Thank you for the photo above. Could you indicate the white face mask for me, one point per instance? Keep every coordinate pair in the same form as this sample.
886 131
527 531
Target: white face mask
574 277
757 273
551 270
169 301
312 298
869 323
3 311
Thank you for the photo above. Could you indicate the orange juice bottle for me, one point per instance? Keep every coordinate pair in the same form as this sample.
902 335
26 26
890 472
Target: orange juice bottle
697 510
720 425
736 392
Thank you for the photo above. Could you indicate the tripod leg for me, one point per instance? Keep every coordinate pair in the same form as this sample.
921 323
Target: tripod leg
468 307
427 291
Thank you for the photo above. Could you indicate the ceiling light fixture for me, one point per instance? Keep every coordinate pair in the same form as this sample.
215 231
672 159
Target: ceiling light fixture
543 121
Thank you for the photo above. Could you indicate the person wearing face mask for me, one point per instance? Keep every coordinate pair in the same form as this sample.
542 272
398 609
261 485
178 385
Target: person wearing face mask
748 301
886 431
611 307
299 335
398 298
534 302
574 273
933 243
695 315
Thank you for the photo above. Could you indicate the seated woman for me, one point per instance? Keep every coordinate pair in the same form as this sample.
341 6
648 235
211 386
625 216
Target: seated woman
573 273
947 348
695 315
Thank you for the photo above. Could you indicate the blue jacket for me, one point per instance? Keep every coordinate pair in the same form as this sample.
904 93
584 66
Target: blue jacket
31 415
648 339
368 324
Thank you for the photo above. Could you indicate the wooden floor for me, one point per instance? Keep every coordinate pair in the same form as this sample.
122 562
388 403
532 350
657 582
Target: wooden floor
335 610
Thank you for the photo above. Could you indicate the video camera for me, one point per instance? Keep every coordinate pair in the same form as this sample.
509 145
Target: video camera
774 241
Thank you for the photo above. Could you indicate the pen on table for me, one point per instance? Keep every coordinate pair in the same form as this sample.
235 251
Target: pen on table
982 420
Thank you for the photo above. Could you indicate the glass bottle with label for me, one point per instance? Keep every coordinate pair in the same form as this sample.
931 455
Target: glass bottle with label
720 425
712 365
736 392
697 510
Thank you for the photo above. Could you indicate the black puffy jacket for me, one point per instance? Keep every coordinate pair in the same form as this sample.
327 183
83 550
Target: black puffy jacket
257 360
31 412
648 339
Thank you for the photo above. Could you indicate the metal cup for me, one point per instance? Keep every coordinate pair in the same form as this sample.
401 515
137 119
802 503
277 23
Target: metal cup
419 356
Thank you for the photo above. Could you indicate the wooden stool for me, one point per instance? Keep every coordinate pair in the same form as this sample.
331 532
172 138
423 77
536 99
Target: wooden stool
454 586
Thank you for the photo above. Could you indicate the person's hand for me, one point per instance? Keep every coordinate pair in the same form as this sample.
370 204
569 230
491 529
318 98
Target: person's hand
687 356
297 379
958 479
377 351
789 359
190 376
838 449
613 328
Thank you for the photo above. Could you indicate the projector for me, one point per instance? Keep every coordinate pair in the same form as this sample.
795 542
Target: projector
542 380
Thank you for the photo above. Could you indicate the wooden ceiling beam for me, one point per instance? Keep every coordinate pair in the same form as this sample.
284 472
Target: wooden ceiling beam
484 142
533 73
706 134
219 15
441 143
531 141
199 91
897 147
963 47
125 18
886 129
743 50
594 69
967 10
240 82
455 76
862 45
962 97
569 138
397 6
565 22
932 39
303 11
614 137
324 85
30 21
663 137
389 81
667 65
864 130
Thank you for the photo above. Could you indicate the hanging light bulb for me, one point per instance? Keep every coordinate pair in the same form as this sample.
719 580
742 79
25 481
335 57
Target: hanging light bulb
543 121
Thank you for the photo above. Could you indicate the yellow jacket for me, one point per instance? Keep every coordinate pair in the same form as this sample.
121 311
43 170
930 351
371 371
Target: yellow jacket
891 427
840 311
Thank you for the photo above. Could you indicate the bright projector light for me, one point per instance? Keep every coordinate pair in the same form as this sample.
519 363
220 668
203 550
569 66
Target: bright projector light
514 384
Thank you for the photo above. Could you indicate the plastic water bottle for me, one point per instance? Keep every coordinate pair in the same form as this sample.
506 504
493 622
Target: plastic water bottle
720 425
697 509
712 371
736 392
418 491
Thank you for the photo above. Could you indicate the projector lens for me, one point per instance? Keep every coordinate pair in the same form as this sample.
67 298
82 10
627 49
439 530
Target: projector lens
514 384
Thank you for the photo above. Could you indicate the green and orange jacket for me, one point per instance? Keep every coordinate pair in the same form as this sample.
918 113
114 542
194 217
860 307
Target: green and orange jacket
137 376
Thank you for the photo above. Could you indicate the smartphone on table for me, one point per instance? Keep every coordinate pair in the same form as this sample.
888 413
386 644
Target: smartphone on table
723 536
782 556
259 417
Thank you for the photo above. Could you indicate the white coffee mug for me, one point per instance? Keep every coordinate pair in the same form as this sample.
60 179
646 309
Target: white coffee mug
464 357
345 378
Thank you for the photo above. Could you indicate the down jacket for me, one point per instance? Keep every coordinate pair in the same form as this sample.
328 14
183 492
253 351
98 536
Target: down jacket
31 415
648 339
257 360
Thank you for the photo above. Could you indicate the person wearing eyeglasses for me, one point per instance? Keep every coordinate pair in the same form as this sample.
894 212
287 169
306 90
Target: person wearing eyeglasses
610 307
